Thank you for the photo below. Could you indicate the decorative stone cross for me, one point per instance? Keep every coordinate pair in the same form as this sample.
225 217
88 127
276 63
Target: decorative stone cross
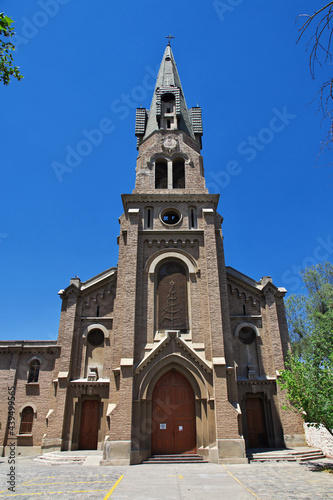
170 37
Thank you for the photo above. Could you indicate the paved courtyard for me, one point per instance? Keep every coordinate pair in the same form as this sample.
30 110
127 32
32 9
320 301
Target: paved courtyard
276 481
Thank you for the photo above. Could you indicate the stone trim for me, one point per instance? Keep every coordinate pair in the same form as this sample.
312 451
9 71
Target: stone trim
242 325
161 255
35 356
206 365
33 406
97 326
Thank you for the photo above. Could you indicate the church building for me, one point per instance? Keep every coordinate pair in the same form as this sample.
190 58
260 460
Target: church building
169 352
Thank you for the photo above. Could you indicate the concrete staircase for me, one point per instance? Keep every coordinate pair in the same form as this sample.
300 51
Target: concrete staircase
302 455
191 458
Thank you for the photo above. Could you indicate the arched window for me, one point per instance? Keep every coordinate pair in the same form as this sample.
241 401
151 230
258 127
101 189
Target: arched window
27 418
168 101
161 174
168 120
172 302
34 371
178 174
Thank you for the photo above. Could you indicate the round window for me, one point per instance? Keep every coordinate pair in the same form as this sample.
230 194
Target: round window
95 337
170 216
247 335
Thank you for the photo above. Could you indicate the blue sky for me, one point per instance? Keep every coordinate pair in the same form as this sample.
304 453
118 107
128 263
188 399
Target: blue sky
68 148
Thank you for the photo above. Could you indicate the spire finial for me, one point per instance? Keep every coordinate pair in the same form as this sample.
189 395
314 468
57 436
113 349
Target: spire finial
170 37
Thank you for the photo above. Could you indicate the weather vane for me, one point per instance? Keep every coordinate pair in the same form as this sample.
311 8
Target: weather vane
170 37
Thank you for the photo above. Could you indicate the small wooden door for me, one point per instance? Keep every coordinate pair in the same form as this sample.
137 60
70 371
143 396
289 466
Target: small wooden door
256 426
173 416
89 424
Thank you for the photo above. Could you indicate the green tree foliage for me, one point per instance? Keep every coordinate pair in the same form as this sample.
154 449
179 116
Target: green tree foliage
7 68
308 379
302 308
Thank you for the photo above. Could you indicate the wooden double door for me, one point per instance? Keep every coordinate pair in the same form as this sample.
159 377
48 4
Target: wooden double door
90 418
173 415
256 424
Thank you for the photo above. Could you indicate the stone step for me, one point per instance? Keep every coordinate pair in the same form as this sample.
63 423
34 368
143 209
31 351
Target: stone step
288 456
54 459
279 458
175 459
306 452
311 456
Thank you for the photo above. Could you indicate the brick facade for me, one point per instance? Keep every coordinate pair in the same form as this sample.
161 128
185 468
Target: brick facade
110 348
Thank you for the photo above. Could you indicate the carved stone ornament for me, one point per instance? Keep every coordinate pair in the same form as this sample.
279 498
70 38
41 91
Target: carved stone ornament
254 388
170 144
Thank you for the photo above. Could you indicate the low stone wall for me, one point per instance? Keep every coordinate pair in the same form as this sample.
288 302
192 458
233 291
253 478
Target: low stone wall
319 438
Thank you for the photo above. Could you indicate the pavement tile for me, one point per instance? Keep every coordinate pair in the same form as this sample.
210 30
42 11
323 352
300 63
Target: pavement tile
169 482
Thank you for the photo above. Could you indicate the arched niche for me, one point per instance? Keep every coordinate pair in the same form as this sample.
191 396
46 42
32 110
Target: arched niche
171 296
247 335
94 358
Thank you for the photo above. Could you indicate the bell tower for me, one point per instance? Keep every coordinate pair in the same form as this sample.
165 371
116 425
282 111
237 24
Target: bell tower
171 314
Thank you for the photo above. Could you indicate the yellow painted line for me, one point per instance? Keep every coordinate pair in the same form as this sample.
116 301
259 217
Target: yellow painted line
29 482
32 494
238 481
180 477
84 491
49 493
67 482
113 488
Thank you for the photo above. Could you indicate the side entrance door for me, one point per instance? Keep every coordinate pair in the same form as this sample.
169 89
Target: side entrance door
89 424
256 426
173 416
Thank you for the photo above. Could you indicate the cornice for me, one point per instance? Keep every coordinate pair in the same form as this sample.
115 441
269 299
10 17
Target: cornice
257 382
85 382
170 198
30 347
252 291
96 280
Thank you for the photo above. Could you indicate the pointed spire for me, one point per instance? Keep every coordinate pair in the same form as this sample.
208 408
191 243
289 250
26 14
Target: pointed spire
168 82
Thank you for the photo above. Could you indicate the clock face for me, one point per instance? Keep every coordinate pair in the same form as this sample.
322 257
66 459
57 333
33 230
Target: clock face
247 335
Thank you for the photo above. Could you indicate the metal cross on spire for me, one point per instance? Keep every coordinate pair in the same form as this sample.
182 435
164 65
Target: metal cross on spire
170 37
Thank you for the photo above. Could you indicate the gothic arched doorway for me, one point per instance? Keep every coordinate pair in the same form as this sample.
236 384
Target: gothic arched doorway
173 414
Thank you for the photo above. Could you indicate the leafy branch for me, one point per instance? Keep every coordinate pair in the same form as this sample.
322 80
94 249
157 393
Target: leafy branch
320 45
7 68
